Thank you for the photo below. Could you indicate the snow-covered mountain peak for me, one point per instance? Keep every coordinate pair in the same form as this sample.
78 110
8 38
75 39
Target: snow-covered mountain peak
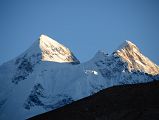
54 51
130 53
44 39
100 55
128 45
47 49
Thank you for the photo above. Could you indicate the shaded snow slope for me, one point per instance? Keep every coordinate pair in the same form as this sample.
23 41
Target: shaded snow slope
38 83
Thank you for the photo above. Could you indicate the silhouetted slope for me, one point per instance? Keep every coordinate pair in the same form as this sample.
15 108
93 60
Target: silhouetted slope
126 102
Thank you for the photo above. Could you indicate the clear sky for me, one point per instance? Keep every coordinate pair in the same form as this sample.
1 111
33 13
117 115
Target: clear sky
84 26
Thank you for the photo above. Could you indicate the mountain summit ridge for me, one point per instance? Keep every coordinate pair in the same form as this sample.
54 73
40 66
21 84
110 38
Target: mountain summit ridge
56 52
131 54
38 80
128 43
48 49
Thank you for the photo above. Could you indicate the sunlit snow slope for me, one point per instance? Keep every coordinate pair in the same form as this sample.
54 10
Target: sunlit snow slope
48 76
136 61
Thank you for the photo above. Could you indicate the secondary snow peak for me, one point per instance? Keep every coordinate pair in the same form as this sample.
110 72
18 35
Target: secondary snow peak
128 45
131 54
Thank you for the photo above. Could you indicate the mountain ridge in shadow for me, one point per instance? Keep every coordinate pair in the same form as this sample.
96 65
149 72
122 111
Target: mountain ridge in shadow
124 102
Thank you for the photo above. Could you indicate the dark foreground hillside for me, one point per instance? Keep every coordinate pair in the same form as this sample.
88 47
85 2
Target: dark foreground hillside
127 102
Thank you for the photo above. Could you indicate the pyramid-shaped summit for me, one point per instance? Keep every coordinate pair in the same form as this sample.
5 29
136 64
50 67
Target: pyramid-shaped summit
47 49
127 44
136 61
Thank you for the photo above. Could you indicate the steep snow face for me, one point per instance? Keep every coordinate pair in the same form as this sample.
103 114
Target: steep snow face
36 83
47 49
136 61
54 51
43 49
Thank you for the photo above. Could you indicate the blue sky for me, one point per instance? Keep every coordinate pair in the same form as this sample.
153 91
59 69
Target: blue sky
84 26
